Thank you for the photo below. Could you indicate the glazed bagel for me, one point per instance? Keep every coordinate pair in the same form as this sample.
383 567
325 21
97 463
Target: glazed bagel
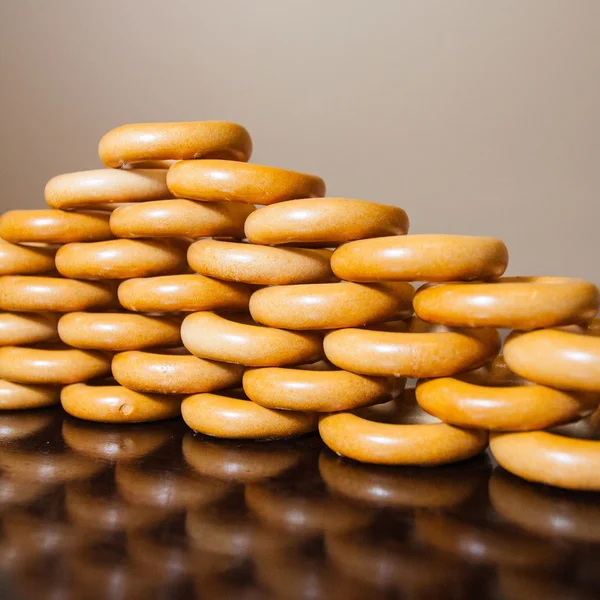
331 305
130 144
183 293
173 372
25 260
222 180
180 218
261 265
54 226
106 186
512 302
61 365
116 404
387 434
421 258
21 329
557 358
501 406
314 390
241 341
54 294
420 353
324 220
18 396
549 458
117 331
122 259
226 417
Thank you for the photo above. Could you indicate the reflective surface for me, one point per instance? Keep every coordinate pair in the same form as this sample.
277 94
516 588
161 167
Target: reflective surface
154 511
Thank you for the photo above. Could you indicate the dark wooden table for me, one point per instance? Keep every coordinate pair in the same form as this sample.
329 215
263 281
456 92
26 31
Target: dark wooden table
154 511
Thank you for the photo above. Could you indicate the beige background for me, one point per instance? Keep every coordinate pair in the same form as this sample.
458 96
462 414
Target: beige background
478 117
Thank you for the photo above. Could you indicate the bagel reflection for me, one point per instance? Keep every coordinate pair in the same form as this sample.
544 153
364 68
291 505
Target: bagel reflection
546 511
113 443
485 542
244 462
403 487
96 504
226 529
167 486
14 426
302 506
384 555
43 457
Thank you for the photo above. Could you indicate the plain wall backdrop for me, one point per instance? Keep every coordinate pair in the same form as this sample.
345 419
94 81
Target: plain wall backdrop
476 117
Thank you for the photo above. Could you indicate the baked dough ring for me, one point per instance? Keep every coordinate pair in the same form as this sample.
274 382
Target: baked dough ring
163 141
122 259
180 218
211 336
556 358
324 220
225 417
432 353
25 260
421 258
22 329
261 265
380 435
331 305
549 458
51 366
116 404
175 293
512 302
173 373
117 331
223 180
54 294
17 396
106 186
467 401
314 390
54 226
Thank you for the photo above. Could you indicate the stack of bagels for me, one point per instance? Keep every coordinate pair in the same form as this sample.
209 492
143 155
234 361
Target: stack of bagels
182 279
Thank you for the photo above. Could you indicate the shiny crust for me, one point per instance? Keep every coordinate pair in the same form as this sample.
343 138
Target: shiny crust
421 258
54 226
180 218
106 186
512 302
117 331
141 142
261 265
548 458
556 358
122 259
225 417
116 404
331 305
358 437
174 293
222 180
51 366
173 373
324 220
214 337
54 294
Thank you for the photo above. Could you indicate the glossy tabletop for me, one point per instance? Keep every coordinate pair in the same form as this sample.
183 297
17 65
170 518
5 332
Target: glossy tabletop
91 511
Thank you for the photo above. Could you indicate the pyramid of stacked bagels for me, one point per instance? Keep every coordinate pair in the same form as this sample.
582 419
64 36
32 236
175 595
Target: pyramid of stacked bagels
183 280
